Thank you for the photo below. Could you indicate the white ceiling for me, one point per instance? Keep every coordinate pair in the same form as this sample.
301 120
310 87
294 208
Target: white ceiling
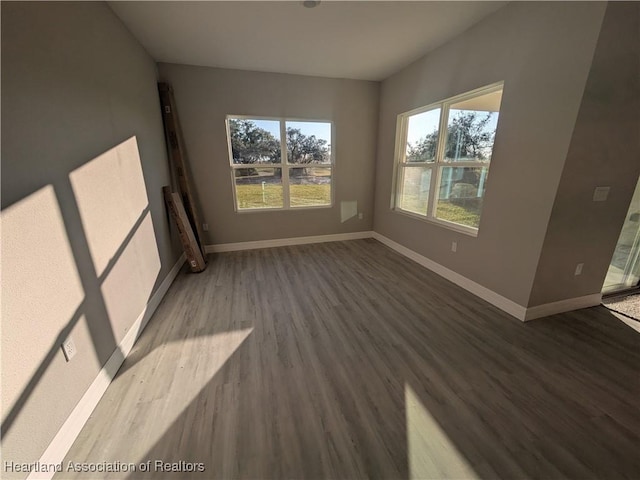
366 40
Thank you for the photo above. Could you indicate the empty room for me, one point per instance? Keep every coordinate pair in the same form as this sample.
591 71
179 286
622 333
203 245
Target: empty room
320 240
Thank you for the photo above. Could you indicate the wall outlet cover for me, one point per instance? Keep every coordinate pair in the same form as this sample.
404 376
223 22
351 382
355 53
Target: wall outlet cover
69 349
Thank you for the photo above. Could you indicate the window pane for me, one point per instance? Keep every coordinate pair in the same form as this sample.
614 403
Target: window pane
414 189
254 141
422 136
471 128
310 186
461 193
308 142
624 269
258 187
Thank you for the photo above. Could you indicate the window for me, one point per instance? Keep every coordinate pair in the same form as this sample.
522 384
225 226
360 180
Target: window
443 153
280 164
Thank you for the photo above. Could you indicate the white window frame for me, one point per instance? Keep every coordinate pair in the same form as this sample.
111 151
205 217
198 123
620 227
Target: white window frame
284 164
438 164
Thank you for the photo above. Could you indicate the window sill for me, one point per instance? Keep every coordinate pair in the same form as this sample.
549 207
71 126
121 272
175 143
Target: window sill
282 209
472 232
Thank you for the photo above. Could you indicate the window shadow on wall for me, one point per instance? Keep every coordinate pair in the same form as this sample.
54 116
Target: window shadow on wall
80 260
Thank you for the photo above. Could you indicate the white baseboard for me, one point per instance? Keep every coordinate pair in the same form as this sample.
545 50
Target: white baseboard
562 306
62 442
282 242
509 306
514 309
490 296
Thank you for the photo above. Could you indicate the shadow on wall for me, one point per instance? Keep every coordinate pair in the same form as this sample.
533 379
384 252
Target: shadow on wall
79 260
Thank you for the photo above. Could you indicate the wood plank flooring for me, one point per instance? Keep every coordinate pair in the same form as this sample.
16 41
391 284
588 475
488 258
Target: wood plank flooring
347 360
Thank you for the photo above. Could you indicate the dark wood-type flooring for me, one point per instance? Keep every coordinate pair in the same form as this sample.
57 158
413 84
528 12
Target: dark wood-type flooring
347 360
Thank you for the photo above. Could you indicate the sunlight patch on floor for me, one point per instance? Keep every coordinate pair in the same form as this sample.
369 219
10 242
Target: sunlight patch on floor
167 399
431 454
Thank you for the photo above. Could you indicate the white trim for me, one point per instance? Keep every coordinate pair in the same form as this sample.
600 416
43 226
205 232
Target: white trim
245 211
62 442
399 156
282 242
439 163
458 227
490 296
509 306
284 165
514 309
562 306
284 160
457 98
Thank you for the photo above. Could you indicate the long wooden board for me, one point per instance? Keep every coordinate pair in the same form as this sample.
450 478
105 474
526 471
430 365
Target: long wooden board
178 161
191 248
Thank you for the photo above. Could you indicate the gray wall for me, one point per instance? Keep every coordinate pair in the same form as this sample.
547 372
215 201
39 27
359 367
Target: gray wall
543 52
75 84
604 151
204 96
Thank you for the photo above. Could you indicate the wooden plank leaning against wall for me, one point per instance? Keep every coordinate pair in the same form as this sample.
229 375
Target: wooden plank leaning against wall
181 205
190 245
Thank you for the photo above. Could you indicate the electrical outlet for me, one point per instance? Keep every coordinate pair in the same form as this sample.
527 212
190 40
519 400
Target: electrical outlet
69 349
360 216
205 227
579 269
454 246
